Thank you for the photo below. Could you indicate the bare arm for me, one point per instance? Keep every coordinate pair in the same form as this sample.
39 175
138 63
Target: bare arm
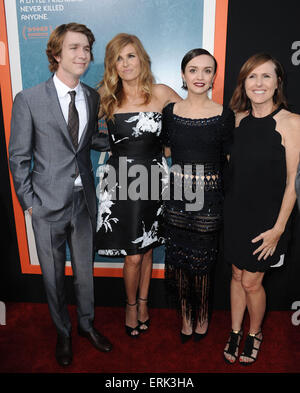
292 149
166 94
238 117
100 138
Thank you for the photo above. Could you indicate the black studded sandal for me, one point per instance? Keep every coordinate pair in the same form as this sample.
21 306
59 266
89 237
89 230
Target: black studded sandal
233 345
249 348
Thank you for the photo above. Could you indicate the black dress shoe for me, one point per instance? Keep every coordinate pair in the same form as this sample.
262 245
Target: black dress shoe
63 352
97 340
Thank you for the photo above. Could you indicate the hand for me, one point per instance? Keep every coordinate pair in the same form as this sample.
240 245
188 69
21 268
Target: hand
30 211
270 239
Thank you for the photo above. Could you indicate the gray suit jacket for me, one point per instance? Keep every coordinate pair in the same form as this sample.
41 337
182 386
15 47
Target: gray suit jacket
41 154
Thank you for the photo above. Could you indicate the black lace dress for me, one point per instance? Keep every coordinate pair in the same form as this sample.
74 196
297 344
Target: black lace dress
192 237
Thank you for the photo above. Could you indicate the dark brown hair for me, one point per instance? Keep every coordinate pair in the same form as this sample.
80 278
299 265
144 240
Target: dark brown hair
56 39
239 101
194 53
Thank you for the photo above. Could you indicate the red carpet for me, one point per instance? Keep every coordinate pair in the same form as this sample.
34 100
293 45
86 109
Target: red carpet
27 344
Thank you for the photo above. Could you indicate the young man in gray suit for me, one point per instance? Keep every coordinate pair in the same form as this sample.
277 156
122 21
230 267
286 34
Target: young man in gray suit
53 127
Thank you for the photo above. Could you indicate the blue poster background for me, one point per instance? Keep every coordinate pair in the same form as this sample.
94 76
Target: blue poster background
167 29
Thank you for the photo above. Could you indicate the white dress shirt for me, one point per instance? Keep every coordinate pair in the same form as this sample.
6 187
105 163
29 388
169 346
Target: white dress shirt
64 100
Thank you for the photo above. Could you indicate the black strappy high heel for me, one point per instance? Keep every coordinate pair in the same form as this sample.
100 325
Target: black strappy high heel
129 330
145 323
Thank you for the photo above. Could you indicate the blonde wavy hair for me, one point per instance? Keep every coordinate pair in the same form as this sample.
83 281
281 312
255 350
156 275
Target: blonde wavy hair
110 87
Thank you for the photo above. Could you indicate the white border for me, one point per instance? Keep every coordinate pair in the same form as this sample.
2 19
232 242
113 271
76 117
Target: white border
17 85
13 46
208 34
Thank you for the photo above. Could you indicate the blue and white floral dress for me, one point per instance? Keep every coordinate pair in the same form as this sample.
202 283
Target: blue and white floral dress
132 182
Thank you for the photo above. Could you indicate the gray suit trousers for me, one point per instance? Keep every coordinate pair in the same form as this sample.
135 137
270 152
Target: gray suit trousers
75 228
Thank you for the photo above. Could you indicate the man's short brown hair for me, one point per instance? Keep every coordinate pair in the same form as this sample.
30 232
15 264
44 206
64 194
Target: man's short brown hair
56 39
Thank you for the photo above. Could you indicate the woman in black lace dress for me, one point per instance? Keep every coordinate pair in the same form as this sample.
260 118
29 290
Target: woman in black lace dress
198 132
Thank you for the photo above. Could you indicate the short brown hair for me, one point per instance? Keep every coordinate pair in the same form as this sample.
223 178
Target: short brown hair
239 101
56 39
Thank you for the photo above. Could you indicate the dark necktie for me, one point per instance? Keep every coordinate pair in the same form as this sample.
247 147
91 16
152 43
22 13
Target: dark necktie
73 120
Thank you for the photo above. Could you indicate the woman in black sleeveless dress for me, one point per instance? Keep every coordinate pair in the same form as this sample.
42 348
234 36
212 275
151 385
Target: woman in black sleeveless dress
260 196
198 133
128 216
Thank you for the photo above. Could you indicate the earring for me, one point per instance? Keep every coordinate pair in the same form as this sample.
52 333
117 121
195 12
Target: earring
184 85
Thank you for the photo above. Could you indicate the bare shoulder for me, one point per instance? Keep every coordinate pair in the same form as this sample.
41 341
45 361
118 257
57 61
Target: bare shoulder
214 108
161 88
288 120
215 105
292 118
288 124
239 116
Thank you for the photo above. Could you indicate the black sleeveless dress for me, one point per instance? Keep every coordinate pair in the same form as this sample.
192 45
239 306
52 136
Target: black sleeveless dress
192 237
130 206
257 179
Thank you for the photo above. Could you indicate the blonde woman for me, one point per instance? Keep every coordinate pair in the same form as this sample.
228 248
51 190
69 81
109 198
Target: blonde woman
128 219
